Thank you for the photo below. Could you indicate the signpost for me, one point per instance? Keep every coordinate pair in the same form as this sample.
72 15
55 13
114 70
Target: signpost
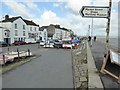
94 12
98 12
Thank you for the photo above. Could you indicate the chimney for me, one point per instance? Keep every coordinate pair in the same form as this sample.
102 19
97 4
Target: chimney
6 17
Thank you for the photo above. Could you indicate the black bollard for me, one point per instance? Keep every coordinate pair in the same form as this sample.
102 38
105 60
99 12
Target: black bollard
4 59
18 53
28 52
8 50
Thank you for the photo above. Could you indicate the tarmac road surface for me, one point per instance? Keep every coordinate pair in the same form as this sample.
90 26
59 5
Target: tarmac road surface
53 69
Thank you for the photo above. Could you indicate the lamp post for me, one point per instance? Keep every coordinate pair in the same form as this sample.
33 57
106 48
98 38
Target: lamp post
91 32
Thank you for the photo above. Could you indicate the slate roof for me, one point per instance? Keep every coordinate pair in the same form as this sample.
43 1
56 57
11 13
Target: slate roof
42 28
11 19
15 18
30 22
58 26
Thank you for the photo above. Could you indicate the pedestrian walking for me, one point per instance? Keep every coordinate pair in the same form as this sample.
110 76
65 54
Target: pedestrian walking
94 38
89 38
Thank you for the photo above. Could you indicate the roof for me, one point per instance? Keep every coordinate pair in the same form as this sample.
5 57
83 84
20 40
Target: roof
42 28
11 19
30 22
58 26
15 18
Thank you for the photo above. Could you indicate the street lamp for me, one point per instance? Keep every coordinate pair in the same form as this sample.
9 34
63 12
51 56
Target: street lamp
91 32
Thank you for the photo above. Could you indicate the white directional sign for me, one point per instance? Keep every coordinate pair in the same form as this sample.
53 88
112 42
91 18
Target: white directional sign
94 12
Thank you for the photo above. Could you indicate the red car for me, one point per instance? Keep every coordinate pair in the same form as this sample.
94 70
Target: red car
19 43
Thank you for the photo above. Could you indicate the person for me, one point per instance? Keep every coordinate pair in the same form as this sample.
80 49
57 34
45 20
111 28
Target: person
94 38
89 38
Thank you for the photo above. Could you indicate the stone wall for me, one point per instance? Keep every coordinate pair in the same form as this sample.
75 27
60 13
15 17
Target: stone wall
80 67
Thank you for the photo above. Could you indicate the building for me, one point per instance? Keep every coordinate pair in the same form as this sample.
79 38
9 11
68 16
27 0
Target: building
32 32
18 29
43 33
56 32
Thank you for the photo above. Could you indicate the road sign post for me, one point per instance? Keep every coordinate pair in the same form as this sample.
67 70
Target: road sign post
98 12
108 25
94 12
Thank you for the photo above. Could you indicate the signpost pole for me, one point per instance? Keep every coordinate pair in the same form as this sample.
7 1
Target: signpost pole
91 33
108 24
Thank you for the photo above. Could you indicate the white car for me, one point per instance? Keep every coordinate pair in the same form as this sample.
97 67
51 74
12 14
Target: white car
42 43
49 44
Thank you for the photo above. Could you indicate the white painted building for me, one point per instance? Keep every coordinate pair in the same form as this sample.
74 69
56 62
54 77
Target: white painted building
61 33
32 31
43 34
58 34
18 29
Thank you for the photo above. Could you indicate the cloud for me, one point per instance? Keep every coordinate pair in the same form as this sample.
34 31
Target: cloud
32 6
56 5
49 17
18 8
75 5
23 8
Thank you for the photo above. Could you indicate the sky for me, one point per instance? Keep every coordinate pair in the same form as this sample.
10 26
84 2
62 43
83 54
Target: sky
62 12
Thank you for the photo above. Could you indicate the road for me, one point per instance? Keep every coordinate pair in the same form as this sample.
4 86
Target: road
98 50
53 69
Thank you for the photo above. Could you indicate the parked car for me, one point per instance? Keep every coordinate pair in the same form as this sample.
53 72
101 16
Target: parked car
57 44
67 44
42 43
38 41
30 41
4 44
49 44
19 43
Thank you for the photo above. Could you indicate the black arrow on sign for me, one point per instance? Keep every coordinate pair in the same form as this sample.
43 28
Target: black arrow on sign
81 11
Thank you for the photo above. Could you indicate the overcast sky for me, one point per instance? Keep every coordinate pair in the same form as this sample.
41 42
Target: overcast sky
63 12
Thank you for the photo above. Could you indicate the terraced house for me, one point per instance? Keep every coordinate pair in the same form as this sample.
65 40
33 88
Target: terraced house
18 29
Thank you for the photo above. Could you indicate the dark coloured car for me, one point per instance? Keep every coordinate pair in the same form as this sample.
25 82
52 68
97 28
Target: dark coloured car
19 43
57 44
3 44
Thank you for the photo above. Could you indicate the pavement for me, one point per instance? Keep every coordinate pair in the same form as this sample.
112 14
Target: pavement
53 69
98 50
93 74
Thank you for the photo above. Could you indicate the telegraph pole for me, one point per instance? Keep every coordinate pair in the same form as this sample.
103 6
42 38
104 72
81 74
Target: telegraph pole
108 24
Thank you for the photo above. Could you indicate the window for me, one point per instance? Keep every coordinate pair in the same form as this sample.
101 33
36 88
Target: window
15 26
30 28
23 26
23 33
15 39
40 32
16 33
35 28
24 39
